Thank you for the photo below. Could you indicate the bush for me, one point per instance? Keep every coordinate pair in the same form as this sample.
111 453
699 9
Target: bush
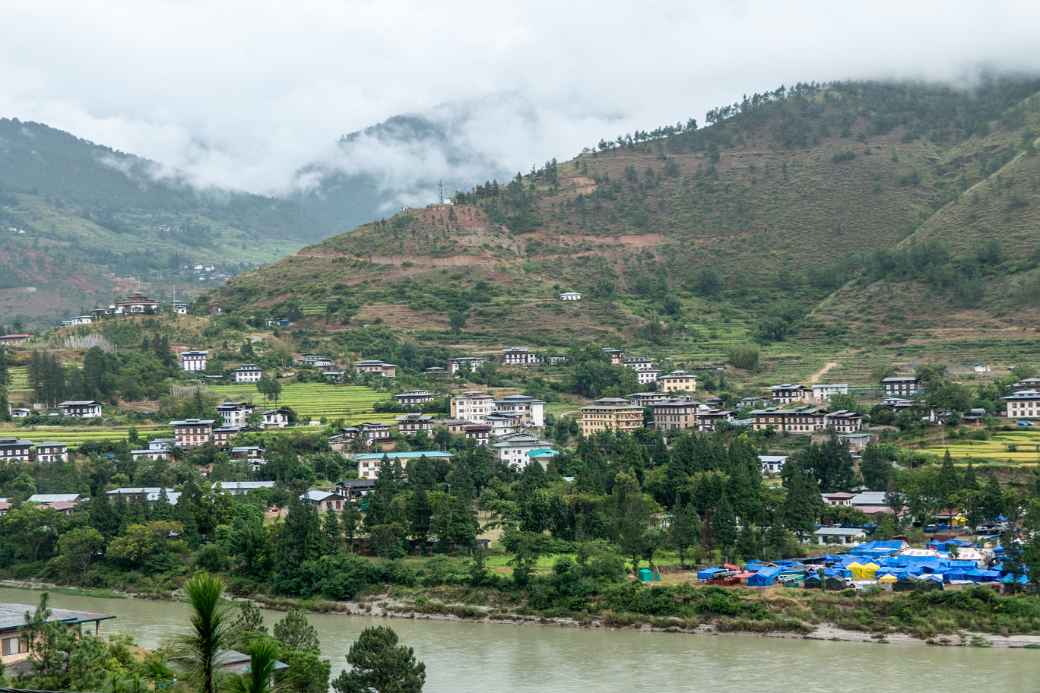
745 358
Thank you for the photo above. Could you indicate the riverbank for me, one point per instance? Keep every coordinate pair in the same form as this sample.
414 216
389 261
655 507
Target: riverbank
425 609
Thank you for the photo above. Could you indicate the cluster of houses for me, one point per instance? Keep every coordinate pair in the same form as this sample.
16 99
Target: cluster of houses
18 450
73 409
134 304
235 418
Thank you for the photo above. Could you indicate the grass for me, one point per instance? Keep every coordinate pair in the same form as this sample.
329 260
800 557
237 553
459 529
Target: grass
352 403
1024 448
74 436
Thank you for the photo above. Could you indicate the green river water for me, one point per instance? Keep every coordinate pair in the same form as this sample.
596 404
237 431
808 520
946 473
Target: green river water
475 657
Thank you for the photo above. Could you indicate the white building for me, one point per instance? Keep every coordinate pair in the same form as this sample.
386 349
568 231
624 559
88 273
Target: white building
472 406
52 452
81 409
570 296
276 418
772 464
514 449
465 364
242 488
1023 405
247 373
822 392
531 410
519 356
194 361
235 413
647 376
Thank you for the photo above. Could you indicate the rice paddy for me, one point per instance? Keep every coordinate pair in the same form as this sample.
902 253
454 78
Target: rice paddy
1020 447
352 403
75 436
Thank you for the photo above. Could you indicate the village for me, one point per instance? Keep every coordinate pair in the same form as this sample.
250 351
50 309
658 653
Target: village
431 424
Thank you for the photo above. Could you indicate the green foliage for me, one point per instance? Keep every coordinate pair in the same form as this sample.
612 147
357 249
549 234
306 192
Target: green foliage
380 665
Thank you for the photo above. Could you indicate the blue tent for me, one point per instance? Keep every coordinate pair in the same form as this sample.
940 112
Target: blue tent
708 573
764 578
978 575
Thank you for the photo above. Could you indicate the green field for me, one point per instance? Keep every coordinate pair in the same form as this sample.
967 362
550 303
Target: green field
1006 446
18 388
74 436
352 403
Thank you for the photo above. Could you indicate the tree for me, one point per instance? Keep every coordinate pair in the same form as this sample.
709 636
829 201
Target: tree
263 656
78 548
630 512
685 530
802 502
295 632
210 631
270 388
380 665
247 626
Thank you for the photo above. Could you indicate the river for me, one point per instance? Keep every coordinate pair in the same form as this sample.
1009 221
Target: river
476 657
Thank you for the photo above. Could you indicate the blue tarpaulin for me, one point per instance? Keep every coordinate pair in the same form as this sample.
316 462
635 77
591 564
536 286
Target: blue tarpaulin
709 573
764 577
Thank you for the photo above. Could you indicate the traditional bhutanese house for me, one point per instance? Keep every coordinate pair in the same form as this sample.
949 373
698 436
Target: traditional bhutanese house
223 435
334 376
436 372
369 463
514 449
81 409
14 339
531 410
194 361
645 399
355 489
478 433
647 376
455 425
413 397
838 499
275 418
843 421
772 465
370 433
710 419
519 356
570 296
857 442
674 414
136 304
247 373
15 632
1026 384
900 386
319 361
503 423
375 367
192 433
412 424
158 450
465 364
235 413
616 356
821 392
803 420
50 451
789 393
1024 404
639 363
146 494
472 406
15 450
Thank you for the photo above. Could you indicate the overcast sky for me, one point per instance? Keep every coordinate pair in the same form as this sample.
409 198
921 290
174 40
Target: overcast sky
242 92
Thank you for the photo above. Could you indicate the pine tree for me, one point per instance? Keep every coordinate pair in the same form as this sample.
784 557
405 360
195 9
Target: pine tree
333 538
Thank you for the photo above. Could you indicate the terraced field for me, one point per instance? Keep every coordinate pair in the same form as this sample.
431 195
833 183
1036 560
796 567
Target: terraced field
18 389
74 436
1020 447
353 403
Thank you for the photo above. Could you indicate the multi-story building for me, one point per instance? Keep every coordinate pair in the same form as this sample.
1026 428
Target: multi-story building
639 363
369 463
610 414
709 419
1026 384
822 392
616 356
478 433
772 464
376 367
81 409
413 397
842 421
242 488
247 373
146 494
194 361
647 376
324 501
515 449
223 435
235 413
674 414
465 364
158 450
519 356
803 420
503 423
900 386
790 394
136 304
645 399
677 381
531 410
275 418
369 433
15 450
472 406
52 452
192 433
1024 404
413 424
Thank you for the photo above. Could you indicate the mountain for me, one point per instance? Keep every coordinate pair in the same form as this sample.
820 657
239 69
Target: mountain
814 218
82 222
404 160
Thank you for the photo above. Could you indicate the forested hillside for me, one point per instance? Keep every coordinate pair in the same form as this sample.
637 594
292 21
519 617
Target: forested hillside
847 210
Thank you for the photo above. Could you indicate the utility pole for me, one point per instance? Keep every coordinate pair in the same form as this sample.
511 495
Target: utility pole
442 190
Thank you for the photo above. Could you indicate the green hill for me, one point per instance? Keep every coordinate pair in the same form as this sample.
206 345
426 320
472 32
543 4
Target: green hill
81 222
820 219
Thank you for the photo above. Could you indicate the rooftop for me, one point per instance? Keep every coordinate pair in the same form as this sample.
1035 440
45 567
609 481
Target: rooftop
12 616
410 455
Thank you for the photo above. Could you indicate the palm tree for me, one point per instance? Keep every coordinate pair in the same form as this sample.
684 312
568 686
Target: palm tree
210 630
263 656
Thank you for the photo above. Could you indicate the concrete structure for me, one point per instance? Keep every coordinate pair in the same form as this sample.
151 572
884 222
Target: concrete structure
319 361
515 449
157 450
194 361
821 392
465 364
570 296
610 414
235 413
842 536
677 381
63 503
647 376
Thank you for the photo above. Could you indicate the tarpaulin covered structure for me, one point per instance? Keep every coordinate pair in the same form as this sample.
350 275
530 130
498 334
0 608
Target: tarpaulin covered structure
764 577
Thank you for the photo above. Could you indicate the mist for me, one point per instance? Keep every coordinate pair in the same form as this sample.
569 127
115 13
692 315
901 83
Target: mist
243 95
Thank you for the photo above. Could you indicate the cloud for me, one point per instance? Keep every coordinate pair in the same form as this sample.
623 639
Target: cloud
244 93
